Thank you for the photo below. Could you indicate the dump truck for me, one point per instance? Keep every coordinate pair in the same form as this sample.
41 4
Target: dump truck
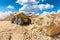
21 18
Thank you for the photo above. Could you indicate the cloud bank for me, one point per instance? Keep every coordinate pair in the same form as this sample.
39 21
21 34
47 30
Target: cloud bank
47 13
10 7
29 6
23 2
45 6
4 14
32 5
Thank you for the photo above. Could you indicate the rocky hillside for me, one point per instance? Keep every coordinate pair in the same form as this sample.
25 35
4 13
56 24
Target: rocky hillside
42 28
10 31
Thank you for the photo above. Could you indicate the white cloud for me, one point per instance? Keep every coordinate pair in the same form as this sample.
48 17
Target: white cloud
45 6
35 8
28 5
23 2
41 6
53 12
4 14
10 7
35 13
58 11
32 6
47 13
49 6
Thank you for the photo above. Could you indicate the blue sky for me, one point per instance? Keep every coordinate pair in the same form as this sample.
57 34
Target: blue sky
5 3
34 6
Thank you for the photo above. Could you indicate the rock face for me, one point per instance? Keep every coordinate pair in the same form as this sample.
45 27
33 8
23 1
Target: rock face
54 27
10 31
41 28
53 30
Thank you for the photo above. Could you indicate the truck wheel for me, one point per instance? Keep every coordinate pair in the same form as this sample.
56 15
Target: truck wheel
20 21
16 20
29 21
12 20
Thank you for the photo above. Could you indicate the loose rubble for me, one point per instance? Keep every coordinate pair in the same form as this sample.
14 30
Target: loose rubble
41 28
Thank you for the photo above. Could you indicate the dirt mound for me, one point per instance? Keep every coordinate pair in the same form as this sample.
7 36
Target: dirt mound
9 31
37 30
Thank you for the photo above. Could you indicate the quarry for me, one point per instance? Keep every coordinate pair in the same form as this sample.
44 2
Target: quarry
41 28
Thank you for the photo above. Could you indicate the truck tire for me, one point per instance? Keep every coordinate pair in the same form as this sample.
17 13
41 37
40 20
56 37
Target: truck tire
12 20
29 21
20 21
16 20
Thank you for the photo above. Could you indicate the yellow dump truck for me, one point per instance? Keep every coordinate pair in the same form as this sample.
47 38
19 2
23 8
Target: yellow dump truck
20 18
